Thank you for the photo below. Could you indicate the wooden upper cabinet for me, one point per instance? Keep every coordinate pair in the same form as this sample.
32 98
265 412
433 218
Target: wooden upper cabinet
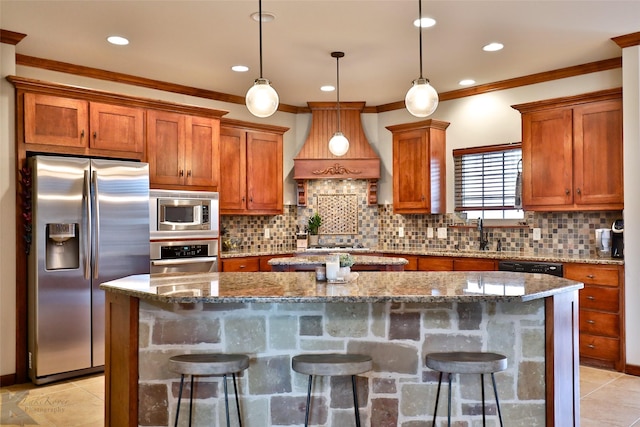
116 127
182 151
264 172
572 153
419 167
233 161
251 177
54 120
68 122
597 141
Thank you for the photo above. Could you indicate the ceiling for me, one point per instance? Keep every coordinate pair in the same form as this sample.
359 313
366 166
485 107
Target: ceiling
195 43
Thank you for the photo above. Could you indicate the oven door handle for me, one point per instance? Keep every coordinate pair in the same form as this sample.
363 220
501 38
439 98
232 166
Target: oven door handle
183 261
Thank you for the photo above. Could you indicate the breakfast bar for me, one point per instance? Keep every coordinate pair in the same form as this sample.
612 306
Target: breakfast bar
395 317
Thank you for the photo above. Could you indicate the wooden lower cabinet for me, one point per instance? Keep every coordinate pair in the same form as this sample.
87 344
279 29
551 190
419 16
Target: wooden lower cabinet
436 263
243 264
601 314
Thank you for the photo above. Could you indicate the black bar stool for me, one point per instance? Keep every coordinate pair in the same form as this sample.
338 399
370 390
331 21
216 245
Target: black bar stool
467 363
209 364
332 365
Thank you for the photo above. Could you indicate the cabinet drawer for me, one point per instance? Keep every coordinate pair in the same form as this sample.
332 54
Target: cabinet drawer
596 323
435 264
591 274
600 298
599 347
241 264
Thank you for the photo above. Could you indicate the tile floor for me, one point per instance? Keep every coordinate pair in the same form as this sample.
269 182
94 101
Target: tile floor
608 399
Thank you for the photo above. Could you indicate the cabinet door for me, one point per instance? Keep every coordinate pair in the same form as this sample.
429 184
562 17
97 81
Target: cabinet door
472 264
547 157
202 153
233 184
597 142
264 172
118 128
54 120
165 147
411 181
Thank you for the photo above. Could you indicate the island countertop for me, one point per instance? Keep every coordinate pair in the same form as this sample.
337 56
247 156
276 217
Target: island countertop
366 287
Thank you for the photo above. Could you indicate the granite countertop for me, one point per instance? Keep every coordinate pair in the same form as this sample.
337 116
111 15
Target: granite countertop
317 260
515 256
370 287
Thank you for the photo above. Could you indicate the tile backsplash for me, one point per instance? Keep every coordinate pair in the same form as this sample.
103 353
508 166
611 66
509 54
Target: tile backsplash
562 233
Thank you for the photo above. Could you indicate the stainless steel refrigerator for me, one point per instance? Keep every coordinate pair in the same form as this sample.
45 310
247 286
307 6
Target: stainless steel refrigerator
90 224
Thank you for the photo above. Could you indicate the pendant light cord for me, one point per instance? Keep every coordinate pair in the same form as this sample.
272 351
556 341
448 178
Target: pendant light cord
419 26
338 88
260 27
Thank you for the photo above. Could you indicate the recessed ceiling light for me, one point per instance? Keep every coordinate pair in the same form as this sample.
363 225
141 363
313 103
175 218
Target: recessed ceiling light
117 40
327 88
426 22
240 68
466 82
266 16
492 47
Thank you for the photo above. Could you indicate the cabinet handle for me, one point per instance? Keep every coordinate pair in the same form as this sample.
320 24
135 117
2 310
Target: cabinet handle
181 173
82 134
242 266
243 199
567 191
579 192
189 173
591 346
590 276
591 298
251 199
591 322
95 135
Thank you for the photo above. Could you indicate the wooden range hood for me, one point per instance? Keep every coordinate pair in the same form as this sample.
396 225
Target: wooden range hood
315 161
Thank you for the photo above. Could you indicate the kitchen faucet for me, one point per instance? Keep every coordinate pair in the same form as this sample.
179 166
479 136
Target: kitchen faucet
484 240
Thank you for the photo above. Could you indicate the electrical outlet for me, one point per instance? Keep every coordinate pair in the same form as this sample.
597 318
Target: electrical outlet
537 234
267 233
442 232
429 232
400 231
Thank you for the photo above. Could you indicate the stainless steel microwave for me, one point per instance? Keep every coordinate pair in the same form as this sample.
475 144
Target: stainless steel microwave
190 214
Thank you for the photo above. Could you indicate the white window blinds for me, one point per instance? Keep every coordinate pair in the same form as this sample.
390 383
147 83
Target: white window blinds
485 177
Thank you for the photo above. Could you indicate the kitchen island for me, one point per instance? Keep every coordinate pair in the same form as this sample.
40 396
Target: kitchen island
396 317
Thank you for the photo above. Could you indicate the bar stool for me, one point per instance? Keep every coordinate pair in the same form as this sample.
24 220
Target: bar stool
467 363
209 364
332 365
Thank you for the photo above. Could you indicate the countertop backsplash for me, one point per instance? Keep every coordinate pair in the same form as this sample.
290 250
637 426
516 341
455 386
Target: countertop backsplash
563 234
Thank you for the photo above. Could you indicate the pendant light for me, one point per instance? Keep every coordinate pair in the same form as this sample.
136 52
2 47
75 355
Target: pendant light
422 98
261 99
338 144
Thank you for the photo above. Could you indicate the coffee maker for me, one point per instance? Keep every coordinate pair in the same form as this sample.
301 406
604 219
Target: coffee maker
617 239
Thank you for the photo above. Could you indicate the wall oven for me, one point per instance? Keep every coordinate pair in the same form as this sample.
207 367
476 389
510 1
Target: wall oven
183 214
190 256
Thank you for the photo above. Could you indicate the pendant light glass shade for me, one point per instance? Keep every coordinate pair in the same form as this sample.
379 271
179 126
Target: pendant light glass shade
262 100
338 144
421 99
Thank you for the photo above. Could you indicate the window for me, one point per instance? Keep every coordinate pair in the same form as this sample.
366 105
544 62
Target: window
485 181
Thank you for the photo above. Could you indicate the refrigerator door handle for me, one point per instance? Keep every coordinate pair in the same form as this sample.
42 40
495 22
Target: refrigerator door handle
96 253
87 235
